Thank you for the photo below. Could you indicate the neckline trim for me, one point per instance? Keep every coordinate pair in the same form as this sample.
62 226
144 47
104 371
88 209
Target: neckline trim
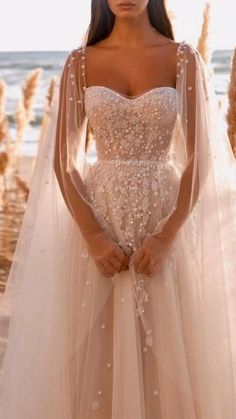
133 97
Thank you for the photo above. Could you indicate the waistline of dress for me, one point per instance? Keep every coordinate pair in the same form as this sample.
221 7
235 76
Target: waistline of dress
129 162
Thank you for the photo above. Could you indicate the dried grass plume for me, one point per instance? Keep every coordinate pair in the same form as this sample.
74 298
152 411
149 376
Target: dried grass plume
49 98
24 113
3 117
203 46
231 114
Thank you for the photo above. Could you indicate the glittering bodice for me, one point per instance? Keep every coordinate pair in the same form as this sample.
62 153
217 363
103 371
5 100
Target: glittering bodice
125 128
132 185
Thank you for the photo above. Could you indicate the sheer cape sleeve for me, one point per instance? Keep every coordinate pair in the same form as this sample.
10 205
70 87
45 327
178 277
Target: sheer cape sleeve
191 143
70 148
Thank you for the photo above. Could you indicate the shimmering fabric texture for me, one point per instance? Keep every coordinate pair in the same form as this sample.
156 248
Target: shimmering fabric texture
133 183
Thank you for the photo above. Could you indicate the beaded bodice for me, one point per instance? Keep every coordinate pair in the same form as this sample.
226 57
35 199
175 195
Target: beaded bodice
133 183
135 129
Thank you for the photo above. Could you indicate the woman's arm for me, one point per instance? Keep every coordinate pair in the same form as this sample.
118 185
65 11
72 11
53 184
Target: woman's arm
189 184
79 209
108 256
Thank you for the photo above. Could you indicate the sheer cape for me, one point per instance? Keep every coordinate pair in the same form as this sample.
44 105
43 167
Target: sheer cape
48 282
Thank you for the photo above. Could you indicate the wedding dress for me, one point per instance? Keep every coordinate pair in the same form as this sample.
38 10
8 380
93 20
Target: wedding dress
82 346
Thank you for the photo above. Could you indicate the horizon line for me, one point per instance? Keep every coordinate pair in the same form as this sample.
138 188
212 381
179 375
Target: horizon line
68 50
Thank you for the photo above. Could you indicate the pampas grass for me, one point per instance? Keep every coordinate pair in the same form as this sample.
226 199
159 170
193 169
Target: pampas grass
49 98
29 91
50 93
171 15
22 185
13 190
204 36
3 119
24 113
3 162
231 114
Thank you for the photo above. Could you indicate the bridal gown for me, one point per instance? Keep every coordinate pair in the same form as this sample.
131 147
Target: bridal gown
130 346
132 186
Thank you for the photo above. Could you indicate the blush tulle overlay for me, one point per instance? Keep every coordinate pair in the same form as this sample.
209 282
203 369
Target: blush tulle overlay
78 345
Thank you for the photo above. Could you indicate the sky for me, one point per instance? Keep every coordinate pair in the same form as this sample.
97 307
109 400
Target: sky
59 25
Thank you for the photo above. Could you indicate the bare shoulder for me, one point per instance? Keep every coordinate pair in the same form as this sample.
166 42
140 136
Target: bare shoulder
99 47
168 50
171 48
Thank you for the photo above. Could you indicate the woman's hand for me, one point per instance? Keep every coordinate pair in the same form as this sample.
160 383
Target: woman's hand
151 254
108 256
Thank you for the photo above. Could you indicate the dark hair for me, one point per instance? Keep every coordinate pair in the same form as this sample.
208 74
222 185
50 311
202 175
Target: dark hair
102 20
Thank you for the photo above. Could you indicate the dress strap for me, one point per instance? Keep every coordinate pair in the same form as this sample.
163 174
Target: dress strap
83 56
180 59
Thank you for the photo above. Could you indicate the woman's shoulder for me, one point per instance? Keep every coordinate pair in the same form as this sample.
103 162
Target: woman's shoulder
177 48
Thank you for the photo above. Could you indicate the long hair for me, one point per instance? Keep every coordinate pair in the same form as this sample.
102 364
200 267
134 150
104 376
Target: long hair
102 20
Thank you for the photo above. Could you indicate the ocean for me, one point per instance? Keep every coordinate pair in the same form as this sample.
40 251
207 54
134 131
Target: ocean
15 66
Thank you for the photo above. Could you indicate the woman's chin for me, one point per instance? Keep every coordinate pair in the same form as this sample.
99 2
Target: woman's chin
130 10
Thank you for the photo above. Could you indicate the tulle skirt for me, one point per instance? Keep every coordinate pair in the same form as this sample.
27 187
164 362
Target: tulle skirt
130 347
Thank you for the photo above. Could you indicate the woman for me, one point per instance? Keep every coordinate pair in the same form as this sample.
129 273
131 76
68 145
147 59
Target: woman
121 295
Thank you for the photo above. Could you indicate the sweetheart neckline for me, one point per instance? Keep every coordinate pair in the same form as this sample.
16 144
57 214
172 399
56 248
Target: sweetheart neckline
134 97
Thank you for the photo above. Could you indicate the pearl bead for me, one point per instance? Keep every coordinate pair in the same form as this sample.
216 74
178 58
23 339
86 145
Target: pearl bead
148 341
95 405
84 254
